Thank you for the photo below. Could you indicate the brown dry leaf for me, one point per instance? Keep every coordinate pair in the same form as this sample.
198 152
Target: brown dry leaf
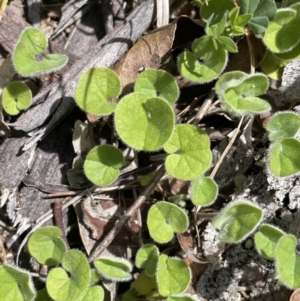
186 241
154 49
241 59
150 51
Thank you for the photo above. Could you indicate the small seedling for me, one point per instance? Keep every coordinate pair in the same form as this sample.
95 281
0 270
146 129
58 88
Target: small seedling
71 281
47 246
157 83
140 123
28 58
189 152
102 164
16 97
164 219
97 91
238 92
237 220
204 63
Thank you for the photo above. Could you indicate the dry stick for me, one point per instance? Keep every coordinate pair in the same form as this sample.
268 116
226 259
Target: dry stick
130 212
207 103
213 173
58 218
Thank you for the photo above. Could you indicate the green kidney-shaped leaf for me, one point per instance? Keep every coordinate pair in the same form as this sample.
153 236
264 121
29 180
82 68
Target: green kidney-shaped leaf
283 125
204 191
284 158
63 286
147 258
237 220
190 154
266 240
164 219
16 97
204 63
173 276
15 284
157 83
280 35
102 164
114 268
47 246
240 98
97 91
32 43
287 261
144 123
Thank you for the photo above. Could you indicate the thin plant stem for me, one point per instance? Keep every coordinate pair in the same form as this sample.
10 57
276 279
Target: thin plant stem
99 248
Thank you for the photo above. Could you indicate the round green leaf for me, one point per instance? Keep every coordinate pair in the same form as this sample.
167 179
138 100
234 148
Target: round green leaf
266 240
237 221
287 261
114 268
61 286
204 63
284 158
144 123
164 219
173 276
283 125
97 91
147 258
102 164
15 284
204 191
47 246
32 43
190 154
16 97
280 35
157 83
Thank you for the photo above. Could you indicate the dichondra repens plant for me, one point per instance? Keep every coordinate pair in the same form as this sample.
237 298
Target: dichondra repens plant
145 120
